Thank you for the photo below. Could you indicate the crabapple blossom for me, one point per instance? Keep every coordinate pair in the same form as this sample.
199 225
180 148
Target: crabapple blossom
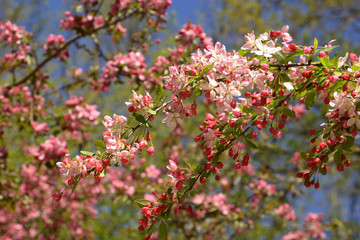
250 95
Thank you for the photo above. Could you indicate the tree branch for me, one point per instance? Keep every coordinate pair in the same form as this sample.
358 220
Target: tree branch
66 44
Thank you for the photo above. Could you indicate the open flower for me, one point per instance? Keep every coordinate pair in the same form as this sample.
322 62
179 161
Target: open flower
70 168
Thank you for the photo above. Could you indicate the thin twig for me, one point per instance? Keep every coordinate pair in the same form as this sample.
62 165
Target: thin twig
70 41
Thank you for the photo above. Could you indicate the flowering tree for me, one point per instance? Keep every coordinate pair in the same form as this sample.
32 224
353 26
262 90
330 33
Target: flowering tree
223 100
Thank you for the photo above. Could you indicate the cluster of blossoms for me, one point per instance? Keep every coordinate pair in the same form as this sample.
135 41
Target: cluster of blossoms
140 103
83 23
265 44
52 148
337 135
72 170
217 200
118 151
79 116
12 35
261 189
192 34
286 212
251 93
157 8
22 220
131 65
313 228
54 43
20 101
221 76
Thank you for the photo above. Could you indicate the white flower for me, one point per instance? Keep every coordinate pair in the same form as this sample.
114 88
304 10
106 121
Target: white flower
228 91
342 60
250 41
354 120
266 50
172 119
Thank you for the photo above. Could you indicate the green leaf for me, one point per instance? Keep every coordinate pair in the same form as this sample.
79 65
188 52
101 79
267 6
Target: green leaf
99 144
103 173
141 202
328 49
284 77
325 62
298 95
338 73
86 153
250 143
355 68
293 54
126 133
242 52
159 93
206 69
153 112
197 91
193 193
139 117
288 112
310 99
315 43
337 157
245 109
348 144
76 181
335 61
28 59
163 230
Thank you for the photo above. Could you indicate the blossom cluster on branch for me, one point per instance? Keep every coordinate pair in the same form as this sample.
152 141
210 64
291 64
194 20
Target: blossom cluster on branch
253 89
234 97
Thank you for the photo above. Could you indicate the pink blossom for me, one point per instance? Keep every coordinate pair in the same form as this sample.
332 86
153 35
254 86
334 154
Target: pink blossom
286 212
172 166
39 127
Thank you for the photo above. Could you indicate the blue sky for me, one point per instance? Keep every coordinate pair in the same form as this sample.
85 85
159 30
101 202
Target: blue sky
186 10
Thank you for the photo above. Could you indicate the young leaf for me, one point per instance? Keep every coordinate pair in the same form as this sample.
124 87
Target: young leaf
355 68
163 230
310 99
337 157
126 134
100 144
103 173
242 52
76 181
159 93
325 62
141 202
288 112
315 43
86 153
250 143
206 69
348 144
153 112
139 117
335 61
